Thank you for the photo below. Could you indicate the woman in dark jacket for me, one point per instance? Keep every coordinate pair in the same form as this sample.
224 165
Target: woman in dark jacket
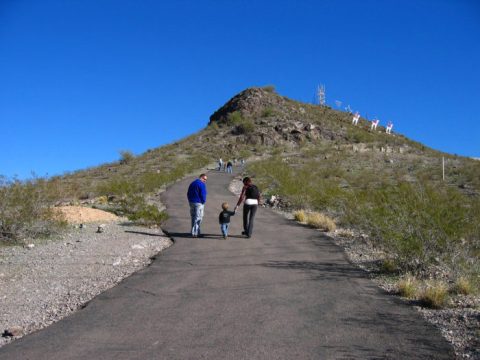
251 197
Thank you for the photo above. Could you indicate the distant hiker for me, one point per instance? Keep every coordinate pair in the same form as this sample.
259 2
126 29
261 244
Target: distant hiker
355 119
374 124
251 195
229 167
197 196
389 127
220 164
224 219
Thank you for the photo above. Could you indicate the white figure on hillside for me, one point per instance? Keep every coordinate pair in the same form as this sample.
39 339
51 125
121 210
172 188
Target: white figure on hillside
355 119
220 164
389 127
374 124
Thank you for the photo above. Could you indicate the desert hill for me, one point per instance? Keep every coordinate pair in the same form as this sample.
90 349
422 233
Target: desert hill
259 122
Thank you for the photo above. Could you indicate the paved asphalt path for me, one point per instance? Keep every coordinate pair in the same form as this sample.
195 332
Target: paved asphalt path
286 293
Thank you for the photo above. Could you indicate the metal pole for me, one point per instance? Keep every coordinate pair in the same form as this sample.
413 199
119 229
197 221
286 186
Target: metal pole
443 168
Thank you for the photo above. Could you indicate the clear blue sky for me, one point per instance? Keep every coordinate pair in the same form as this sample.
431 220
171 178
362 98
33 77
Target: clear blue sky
82 79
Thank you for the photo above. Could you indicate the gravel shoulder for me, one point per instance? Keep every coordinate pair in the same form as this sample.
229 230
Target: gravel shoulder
48 280
459 323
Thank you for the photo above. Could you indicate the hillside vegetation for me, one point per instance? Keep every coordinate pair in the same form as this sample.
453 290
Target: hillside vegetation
385 186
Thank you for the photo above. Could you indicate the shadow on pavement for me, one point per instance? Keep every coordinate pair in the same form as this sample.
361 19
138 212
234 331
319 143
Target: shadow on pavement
321 270
142 233
186 235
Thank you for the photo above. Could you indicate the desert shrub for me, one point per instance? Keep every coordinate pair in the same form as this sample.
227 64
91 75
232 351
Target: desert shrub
126 156
408 287
136 209
463 286
213 126
300 216
388 266
234 118
360 136
148 215
26 210
268 112
245 126
303 186
269 88
417 223
435 294
320 221
118 186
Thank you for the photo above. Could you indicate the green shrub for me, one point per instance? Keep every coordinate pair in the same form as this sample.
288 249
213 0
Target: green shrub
148 215
389 266
118 186
126 156
269 88
136 209
234 118
26 210
417 223
246 126
357 135
268 112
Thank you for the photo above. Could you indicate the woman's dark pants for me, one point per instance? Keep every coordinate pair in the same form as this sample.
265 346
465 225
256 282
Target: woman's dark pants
248 217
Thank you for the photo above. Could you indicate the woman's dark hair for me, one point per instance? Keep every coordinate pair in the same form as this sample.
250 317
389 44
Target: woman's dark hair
246 180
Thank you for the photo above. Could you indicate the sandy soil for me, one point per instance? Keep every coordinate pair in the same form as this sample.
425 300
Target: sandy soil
82 214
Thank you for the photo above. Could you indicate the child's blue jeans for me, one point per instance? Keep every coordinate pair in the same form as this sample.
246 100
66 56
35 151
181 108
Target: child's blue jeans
224 228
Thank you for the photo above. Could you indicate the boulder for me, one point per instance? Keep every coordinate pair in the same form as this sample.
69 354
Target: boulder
13 331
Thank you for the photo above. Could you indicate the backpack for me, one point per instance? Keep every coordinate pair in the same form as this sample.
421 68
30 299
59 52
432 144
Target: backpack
252 192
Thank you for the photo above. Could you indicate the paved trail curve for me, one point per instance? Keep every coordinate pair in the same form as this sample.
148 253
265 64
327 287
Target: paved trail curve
286 293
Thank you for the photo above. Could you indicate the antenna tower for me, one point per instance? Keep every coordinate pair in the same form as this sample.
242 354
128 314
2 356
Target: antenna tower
321 95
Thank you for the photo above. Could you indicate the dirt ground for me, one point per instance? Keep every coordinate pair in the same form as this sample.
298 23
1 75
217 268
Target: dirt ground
82 214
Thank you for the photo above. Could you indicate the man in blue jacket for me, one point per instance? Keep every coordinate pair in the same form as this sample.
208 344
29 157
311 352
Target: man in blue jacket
197 196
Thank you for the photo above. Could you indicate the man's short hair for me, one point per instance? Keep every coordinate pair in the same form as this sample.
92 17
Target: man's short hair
202 175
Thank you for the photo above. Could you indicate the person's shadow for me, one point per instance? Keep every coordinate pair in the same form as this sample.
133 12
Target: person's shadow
187 235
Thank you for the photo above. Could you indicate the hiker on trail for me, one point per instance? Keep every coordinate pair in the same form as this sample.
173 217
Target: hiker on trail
251 195
374 124
197 196
224 219
220 164
355 119
229 167
389 127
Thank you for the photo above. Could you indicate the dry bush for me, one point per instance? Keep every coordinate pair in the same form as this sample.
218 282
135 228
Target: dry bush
408 287
300 216
463 286
320 221
435 295
26 210
389 266
126 156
